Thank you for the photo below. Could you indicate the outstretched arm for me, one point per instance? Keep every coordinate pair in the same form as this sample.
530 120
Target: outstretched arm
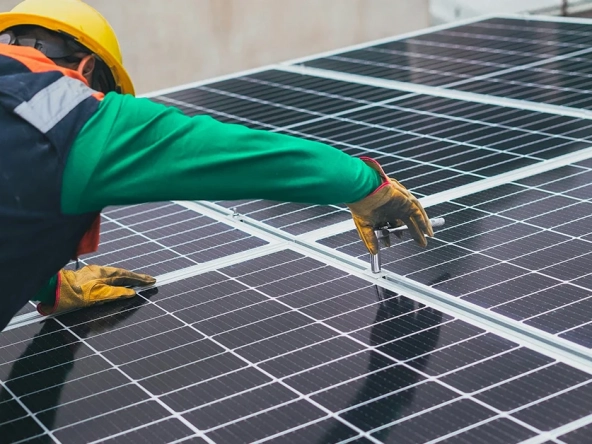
133 151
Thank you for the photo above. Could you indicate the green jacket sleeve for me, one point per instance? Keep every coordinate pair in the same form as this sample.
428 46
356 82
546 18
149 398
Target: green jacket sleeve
134 150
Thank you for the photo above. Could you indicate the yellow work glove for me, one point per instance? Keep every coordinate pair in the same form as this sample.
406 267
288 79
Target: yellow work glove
391 203
93 285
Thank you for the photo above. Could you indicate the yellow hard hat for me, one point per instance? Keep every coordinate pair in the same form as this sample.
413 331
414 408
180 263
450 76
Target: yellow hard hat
79 20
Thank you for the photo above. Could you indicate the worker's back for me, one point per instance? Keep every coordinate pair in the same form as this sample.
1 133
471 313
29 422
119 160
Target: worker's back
34 234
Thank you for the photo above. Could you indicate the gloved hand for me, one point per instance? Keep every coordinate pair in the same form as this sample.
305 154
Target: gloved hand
93 285
391 203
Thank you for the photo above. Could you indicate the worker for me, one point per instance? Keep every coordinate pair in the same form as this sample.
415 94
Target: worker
75 140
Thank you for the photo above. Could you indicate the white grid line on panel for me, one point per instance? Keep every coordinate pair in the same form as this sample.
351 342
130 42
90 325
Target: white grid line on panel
511 176
395 130
400 154
310 97
44 369
171 248
177 275
234 371
160 226
466 78
110 389
516 40
273 382
410 69
438 91
270 409
544 18
514 378
541 229
134 382
577 326
157 241
441 58
29 439
476 49
531 20
162 246
112 215
344 97
395 157
551 88
556 433
69 381
260 101
140 427
46 431
505 126
158 206
505 261
212 112
308 424
464 429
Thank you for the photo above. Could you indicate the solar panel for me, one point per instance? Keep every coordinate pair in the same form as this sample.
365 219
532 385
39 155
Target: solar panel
248 352
265 327
520 58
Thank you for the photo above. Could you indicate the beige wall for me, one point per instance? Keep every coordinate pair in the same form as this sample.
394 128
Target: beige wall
166 43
